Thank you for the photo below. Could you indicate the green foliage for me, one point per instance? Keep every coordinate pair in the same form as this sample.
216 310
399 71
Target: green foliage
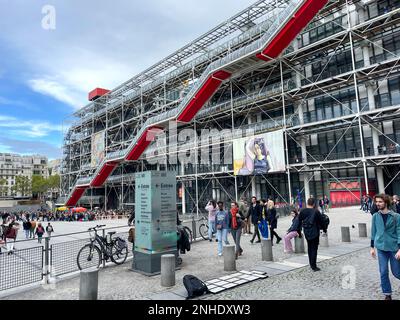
41 186
22 185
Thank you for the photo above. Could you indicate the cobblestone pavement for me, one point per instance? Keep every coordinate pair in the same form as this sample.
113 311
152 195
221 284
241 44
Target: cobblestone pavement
203 262
329 283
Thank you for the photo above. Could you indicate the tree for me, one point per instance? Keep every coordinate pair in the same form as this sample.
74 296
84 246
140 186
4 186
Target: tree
3 187
54 184
39 186
22 186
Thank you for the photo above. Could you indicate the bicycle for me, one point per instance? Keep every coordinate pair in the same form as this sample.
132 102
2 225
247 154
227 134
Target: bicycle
100 249
203 227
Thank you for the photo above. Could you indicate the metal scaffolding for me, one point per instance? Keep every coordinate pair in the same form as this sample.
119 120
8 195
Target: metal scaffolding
331 81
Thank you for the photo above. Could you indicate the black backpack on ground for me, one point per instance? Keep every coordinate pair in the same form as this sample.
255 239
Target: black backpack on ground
194 286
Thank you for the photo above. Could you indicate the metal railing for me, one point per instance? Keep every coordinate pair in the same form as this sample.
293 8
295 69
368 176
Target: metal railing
43 261
21 268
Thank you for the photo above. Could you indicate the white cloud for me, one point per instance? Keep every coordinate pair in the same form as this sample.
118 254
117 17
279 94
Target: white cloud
103 47
56 90
27 129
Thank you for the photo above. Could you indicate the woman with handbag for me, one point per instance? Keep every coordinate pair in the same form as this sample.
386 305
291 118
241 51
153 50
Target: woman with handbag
237 224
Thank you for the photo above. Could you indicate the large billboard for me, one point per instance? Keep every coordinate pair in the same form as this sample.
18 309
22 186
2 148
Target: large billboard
98 147
259 154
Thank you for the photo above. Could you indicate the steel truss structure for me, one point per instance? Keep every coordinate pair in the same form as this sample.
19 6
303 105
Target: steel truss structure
334 91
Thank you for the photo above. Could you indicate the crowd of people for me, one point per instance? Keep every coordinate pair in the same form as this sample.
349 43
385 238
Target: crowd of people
261 216
32 223
68 215
310 222
258 219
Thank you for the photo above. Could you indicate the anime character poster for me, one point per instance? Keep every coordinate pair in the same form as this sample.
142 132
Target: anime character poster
259 154
98 147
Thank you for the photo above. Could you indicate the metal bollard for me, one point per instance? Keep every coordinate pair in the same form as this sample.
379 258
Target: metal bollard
362 230
89 284
46 259
266 250
168 270
323 242
229 258
194 233
346 234
299 245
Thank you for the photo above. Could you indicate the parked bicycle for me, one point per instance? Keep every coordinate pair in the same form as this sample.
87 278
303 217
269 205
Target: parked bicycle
100 249
203 227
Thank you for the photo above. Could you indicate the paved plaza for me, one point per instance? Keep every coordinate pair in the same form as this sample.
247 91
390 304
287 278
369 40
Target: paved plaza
348 272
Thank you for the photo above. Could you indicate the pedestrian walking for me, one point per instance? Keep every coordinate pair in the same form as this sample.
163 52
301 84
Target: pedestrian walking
326 204
321 204
32 230
26 225
273 221
385 242
254 215
49 230
293 232
39 232
10 235
211 208
311 221
223 226
244 208
237 224
396 204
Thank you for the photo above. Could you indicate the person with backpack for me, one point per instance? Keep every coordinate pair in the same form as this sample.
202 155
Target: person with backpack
254 215
211 208
26 225
39 232
385 242
223 225
312 222
49 230
237 223
273 221
292 232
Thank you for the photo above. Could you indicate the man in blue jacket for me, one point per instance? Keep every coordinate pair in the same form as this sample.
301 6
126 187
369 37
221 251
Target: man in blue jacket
385 237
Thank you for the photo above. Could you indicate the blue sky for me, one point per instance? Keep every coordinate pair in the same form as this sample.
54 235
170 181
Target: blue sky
45 75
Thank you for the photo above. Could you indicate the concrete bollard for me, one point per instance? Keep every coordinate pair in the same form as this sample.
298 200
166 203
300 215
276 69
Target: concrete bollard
299 245
346 234
362 230
168 270
89 284
323 240
266 250
229 258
